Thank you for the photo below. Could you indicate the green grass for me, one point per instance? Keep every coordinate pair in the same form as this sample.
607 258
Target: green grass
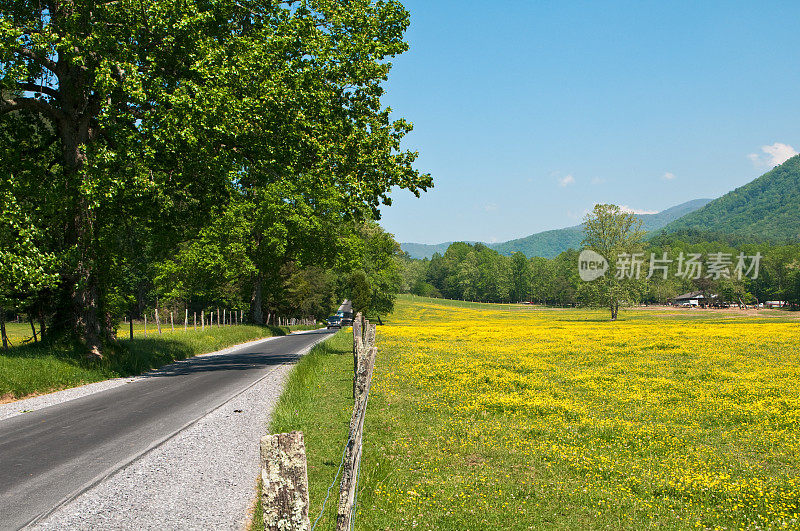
19 333
318 401
467 304
34 369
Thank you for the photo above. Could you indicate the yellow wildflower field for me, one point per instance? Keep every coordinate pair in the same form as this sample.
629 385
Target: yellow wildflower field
521 418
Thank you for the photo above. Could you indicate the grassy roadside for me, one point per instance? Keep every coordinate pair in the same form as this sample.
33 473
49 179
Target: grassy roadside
41 368
318 401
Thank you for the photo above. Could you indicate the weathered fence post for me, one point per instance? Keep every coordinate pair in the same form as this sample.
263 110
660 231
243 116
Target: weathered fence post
145 325
185 319
352 457
195 321
285 482
218 321
171 322
203 319
224 322
158 322
369 335
358 344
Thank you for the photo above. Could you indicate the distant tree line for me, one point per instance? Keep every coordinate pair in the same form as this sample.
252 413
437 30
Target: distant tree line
478 273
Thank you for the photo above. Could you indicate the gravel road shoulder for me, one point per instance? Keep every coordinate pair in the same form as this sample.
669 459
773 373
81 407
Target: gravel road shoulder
202 478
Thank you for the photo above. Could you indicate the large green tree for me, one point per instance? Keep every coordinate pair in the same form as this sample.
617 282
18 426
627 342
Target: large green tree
157 113
617 236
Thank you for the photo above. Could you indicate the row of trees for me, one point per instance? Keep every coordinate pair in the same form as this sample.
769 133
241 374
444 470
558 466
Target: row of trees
476 272
221 152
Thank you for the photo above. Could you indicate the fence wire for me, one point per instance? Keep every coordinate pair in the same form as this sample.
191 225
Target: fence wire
350 437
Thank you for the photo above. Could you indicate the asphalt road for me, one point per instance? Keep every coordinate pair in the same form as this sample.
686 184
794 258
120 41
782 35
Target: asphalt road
49 456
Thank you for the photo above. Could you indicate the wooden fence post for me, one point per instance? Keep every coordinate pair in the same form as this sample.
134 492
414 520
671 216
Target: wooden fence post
358 344
186 319
369 336
158 322
223 317
218 314
352 457
203 319
171 322
145 325
284 497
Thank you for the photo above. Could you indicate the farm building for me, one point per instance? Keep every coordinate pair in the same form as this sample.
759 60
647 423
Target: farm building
693 298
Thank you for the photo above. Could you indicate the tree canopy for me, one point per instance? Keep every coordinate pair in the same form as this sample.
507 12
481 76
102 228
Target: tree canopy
232 131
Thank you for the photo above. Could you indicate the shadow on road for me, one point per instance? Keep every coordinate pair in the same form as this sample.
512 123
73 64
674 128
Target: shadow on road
258 356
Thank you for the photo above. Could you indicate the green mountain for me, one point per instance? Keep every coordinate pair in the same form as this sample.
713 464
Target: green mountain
766 208
552 242
424 250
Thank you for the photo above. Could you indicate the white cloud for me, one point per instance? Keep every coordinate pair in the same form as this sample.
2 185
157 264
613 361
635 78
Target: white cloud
490 207
630 210
566 180
668 176
773 155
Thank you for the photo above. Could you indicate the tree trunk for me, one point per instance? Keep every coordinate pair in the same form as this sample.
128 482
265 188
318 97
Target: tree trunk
33 328
3 328
256 313
86 301
42 324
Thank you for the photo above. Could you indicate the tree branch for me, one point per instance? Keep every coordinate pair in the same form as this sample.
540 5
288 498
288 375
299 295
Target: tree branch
37 58
44 89
31 104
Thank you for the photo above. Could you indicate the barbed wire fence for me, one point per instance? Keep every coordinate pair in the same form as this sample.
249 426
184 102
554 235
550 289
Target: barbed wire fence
284 474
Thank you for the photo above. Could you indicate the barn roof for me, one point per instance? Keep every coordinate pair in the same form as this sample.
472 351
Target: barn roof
689 296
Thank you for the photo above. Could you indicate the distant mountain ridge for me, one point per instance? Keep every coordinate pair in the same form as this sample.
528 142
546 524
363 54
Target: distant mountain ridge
766 208
552 242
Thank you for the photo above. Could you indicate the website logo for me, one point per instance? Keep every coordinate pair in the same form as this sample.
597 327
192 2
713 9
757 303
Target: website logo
591 265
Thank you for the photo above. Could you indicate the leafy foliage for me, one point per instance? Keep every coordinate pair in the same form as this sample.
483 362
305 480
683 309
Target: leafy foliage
195 151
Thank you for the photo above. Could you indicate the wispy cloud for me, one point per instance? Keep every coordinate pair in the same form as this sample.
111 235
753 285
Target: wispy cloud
490 207
566 180
668 176
597 180
772 155
630 210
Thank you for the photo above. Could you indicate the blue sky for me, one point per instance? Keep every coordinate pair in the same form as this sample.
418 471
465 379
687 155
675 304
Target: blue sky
527 113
